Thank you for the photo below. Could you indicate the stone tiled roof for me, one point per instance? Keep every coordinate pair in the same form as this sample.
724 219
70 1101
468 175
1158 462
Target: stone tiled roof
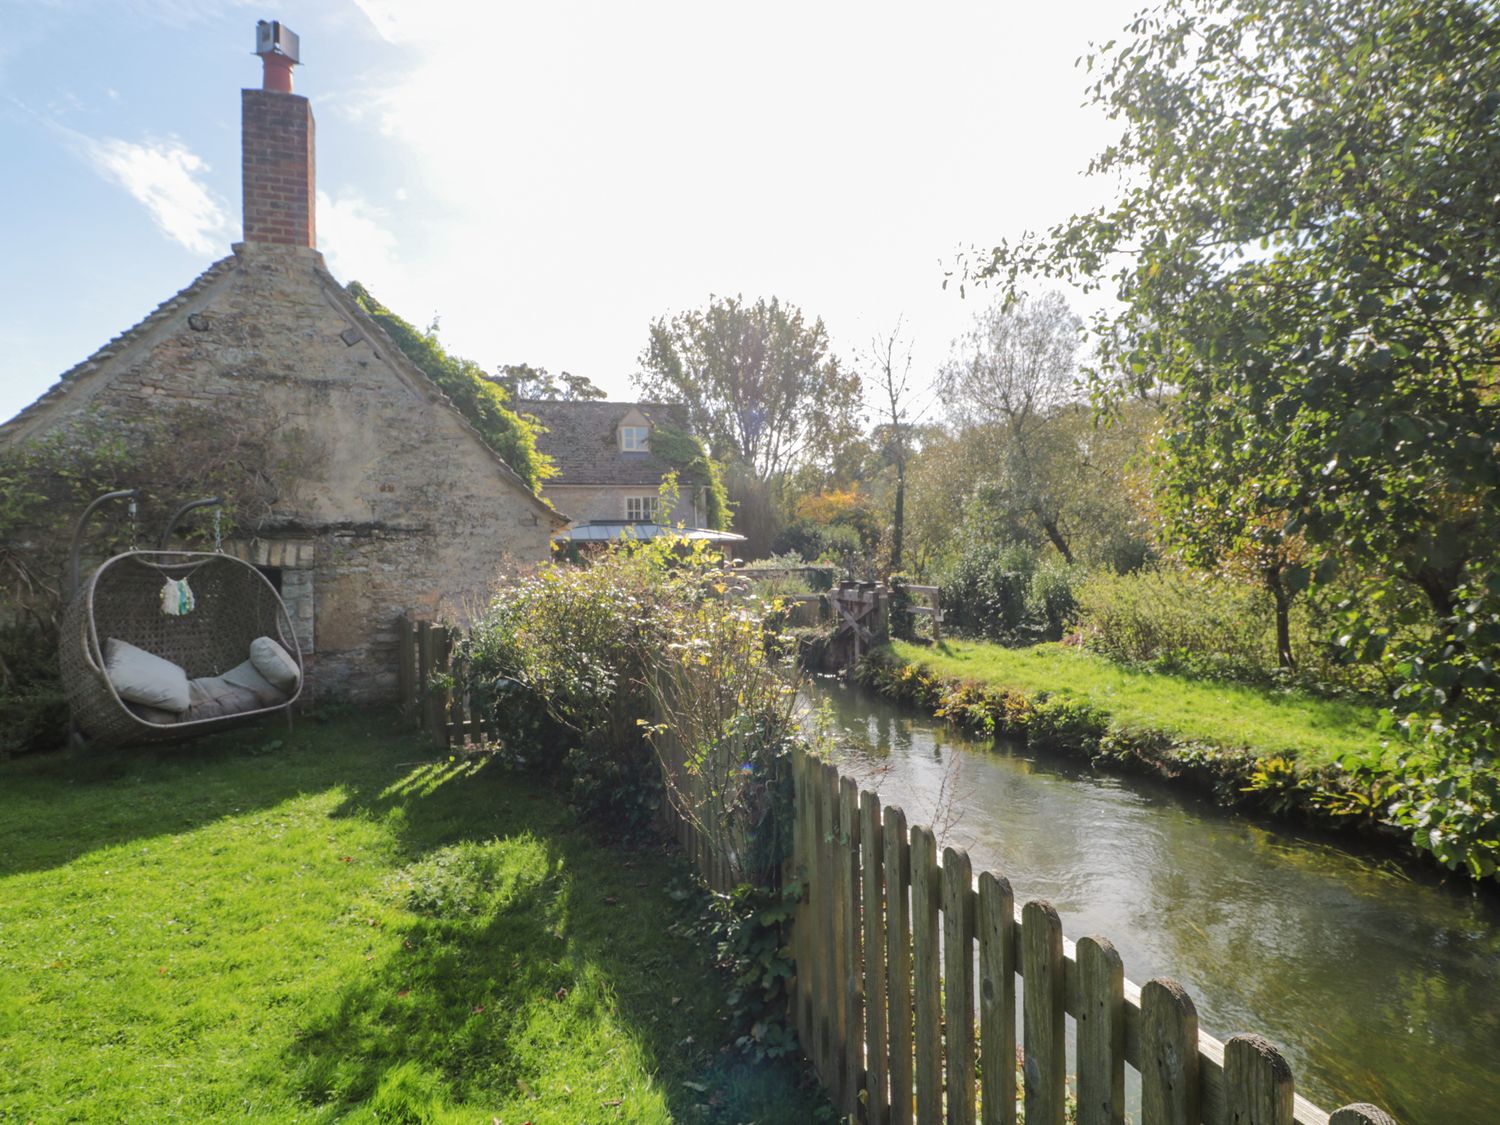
582 438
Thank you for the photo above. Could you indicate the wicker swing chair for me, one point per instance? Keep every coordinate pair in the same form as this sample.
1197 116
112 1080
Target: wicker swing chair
235 604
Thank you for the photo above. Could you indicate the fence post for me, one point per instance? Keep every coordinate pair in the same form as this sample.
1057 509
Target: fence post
958 984
802 918
871 848
997 1000
437 698
849 886
831 1016
458 711
1045 1021
898 960
1257 1082
1101 1033
924 949
424 672
1169 1054
406 656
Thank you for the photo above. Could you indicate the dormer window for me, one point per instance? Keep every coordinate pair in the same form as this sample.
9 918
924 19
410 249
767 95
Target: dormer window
635 439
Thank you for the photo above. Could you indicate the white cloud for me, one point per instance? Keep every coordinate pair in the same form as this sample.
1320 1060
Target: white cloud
353 236
166 177
391 21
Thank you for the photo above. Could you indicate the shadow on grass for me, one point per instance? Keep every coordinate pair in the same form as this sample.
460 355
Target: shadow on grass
55 808
537 953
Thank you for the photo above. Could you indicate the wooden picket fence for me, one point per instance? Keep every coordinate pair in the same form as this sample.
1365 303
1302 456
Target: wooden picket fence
906 993
425 649
905 997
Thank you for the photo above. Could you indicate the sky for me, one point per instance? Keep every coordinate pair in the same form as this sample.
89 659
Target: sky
546 179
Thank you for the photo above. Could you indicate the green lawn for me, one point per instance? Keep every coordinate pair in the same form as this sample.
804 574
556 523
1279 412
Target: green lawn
1315 730
331 925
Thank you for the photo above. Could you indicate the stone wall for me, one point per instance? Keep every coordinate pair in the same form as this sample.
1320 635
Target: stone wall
401 506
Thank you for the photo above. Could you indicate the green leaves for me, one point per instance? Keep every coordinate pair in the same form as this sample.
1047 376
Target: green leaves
1303 252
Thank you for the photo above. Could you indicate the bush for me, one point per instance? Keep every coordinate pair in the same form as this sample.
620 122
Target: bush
636 680
837 545
559 661
1169 617
1202 625
1002 592
605 672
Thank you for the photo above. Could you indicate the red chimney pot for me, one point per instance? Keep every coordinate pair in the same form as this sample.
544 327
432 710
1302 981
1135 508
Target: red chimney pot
277 76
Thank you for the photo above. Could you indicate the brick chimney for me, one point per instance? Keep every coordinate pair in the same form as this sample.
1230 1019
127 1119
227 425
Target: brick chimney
277 144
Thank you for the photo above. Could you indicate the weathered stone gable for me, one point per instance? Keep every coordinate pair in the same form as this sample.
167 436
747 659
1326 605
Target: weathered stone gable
404 508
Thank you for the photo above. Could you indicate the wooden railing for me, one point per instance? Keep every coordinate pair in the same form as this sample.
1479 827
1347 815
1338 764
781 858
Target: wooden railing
930 606
425 651
906 993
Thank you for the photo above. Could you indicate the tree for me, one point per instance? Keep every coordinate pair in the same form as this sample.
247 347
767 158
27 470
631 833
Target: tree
1052 471
1304 247
521 380
1305 250
758 381
890 362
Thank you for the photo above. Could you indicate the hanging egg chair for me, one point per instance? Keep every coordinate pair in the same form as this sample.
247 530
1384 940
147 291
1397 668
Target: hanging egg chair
160 645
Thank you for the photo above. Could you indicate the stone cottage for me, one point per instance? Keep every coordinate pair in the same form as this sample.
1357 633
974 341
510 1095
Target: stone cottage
402 507
609 476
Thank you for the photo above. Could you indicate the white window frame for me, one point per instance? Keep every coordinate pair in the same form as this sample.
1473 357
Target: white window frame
642 509
635 439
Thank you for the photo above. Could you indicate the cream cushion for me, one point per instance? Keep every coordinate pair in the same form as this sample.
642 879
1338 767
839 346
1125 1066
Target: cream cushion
274 663
140 677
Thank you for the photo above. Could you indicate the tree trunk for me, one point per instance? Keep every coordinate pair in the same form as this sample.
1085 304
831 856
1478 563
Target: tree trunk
1283 600
1055 537
899 531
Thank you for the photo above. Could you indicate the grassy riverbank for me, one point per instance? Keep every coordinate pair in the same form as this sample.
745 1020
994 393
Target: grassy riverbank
1281 752
332 925
1316 732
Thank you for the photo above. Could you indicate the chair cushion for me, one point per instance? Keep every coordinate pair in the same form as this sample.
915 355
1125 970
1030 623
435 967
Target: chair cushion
140 677
245 676
274 663
213 697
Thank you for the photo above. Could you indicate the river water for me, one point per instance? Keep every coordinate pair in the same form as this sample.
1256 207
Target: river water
1379 984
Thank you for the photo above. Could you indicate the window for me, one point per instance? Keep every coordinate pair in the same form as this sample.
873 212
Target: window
633 439
640 509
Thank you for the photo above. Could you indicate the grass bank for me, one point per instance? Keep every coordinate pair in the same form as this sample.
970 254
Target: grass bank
331 925
1316 732
1279 752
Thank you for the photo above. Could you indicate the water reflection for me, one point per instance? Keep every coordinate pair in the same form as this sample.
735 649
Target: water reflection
1378 984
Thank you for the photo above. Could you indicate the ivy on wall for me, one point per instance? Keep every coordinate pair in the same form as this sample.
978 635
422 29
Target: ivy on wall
687 453
477 398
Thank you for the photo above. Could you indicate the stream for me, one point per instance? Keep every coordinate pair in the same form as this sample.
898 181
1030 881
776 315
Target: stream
1378 983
